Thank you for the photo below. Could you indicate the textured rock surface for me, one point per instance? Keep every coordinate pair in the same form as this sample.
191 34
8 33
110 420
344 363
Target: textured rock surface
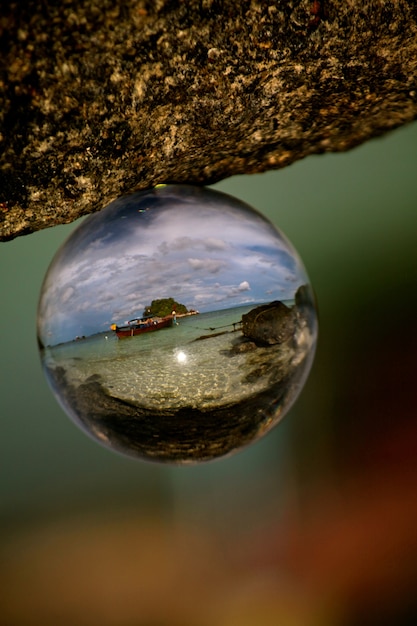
269 324
101 98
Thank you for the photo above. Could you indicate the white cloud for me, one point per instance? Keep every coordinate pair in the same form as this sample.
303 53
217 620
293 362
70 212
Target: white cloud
212 244
212 266
161 257
69 291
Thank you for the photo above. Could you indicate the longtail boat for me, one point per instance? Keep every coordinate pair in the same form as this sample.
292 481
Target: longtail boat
138 326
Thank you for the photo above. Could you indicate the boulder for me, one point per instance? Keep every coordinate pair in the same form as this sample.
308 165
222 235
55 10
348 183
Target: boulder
269 324
304 305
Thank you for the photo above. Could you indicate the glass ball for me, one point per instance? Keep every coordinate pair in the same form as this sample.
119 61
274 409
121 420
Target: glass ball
176 325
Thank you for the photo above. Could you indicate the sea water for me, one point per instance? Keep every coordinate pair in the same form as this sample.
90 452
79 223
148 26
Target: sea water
189 364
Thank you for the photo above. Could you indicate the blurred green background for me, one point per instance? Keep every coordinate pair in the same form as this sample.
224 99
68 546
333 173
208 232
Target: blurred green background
313 525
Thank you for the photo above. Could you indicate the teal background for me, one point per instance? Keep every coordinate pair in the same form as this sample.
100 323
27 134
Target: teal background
353 219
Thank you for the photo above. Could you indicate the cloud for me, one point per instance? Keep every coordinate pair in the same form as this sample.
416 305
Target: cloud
234 291
180 243
205 258
184 243
212 266
212 244
132 297
69 291
123 315
196 264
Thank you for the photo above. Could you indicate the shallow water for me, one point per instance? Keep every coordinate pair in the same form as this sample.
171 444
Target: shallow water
168 368
183 394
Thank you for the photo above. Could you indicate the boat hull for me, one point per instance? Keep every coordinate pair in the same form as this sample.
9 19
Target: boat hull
139 329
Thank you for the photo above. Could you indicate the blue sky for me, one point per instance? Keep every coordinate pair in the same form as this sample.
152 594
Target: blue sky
198 246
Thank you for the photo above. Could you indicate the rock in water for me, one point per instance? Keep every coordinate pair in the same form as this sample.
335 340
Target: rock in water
269 324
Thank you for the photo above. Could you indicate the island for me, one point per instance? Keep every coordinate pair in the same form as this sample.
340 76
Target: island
167 306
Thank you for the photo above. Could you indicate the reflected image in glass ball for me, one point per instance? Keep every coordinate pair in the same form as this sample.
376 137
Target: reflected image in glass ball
176 325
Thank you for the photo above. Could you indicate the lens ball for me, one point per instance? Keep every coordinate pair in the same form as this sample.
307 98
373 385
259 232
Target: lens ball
176 325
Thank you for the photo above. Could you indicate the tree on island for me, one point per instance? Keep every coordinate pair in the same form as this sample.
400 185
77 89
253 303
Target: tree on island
163 307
